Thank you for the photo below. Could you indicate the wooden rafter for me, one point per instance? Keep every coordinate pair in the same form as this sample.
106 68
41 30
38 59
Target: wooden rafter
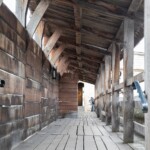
39 33
21 10
61 64
89 28
87 63
37 16
55 54
52 41
78 25
131 10
96 60
85 29
86 47
64 68
83 69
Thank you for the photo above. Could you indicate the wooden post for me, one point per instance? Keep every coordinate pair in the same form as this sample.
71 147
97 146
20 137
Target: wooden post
147 70
102 104
107 87
99 92
128 73
21 11
115 81
37 16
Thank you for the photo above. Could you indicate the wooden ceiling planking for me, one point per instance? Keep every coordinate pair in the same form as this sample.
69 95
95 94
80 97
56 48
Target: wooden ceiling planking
87 52
83 72
94 32
119 3
100 26
59 17
84 30
85 62
95 60
101 11
109 6
85 67
86 78
94 41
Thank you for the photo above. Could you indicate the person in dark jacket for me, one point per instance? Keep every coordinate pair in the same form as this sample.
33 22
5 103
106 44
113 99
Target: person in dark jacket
92 103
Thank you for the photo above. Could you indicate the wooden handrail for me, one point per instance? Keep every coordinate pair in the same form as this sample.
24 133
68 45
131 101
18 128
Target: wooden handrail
139 77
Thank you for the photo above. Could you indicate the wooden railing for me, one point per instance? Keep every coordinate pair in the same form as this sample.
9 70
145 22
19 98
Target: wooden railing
139 77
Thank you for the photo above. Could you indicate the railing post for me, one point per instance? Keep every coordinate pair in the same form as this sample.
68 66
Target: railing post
115 81
107 86
128 135
147 70
102 104
97 90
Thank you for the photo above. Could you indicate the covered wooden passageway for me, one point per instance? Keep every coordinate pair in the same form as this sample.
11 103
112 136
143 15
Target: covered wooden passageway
47 47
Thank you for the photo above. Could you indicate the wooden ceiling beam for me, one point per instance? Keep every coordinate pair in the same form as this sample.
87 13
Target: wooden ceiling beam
85 30
111 7
86 79
83 69
78 24
61 63
86 63
37 16
98 61
55 54
133 8
87 76
64 68
94 9
39 33
86 47
51 42
21 11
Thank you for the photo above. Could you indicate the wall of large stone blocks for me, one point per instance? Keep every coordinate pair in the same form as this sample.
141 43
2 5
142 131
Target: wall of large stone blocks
29 100
68 95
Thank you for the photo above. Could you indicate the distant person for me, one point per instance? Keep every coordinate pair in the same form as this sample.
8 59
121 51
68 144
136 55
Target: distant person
92 103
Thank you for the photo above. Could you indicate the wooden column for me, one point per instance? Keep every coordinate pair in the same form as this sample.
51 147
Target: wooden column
115 81
107 87
21 10
128 73
147 70
102 104
100 91
97 92
37 16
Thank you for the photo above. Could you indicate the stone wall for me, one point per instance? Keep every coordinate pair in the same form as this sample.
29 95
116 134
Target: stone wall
29 100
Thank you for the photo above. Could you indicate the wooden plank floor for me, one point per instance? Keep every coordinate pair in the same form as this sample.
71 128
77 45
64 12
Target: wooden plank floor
86 132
